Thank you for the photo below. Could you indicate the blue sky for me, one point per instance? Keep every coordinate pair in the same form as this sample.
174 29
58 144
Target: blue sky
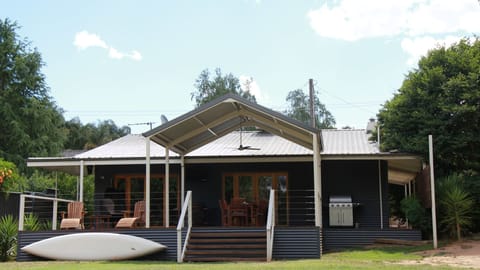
132 61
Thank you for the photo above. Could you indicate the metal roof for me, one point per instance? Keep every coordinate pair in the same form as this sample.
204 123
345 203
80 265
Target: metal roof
254 143
129 146
338 144
347 141
224 115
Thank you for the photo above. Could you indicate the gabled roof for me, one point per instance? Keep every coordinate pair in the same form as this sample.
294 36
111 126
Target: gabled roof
222 116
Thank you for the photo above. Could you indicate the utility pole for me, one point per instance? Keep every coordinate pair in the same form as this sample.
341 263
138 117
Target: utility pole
312 102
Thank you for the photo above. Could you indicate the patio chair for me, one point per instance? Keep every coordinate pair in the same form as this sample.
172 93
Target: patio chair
73 218
238 212
224 212
137 218
261 212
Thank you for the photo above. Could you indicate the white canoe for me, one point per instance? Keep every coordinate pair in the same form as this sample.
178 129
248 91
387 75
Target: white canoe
93 247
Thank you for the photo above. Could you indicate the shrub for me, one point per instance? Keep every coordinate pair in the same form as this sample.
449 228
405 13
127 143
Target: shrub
414 212
8 237
31 223
455 205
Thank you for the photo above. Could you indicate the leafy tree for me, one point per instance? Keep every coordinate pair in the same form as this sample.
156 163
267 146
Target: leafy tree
89 136
455 205
207 88
441 97
299 108
9 177
472 185
32 125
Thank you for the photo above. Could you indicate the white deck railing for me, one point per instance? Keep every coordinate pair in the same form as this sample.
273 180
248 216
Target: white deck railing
187 208
21 214
270 224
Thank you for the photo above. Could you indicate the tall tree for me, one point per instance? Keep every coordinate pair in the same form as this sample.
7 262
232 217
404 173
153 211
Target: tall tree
299 108
31 124
90 135
441 97
207 88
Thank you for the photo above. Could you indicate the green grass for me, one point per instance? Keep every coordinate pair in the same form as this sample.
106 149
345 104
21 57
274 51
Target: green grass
354 259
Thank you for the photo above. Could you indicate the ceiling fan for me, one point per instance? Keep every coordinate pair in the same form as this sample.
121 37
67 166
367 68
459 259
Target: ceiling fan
242 147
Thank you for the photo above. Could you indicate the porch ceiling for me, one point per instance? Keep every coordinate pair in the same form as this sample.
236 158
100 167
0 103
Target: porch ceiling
402 171
224 115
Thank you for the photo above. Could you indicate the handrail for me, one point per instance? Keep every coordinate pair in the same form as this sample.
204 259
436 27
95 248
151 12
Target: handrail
21 214
187 206
270 224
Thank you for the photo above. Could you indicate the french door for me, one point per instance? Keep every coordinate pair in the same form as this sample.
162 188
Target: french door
133 189
254 187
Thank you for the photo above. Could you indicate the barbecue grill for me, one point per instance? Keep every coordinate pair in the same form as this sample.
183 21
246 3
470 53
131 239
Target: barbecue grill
341 211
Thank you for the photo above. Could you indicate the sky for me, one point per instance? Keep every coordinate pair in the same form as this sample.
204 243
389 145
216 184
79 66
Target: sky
133 61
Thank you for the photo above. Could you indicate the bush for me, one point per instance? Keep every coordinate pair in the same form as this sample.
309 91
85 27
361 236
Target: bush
31 223
8 237
455 205
416 214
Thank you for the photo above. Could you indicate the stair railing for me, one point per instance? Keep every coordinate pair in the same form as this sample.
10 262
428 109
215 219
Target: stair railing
187 208
270 224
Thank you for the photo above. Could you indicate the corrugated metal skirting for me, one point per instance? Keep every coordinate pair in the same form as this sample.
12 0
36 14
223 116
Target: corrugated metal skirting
163 236
296 243
349 238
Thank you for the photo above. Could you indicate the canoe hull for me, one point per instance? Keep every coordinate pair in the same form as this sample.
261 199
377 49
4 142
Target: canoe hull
93 247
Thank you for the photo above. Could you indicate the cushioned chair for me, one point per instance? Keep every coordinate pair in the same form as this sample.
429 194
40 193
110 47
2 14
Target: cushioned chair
138 217
73 218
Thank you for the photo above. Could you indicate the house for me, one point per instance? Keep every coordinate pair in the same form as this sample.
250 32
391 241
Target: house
330 187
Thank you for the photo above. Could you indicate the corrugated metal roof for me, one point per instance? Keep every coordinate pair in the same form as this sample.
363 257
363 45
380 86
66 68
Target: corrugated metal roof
336 142
129 146
254 144
347 142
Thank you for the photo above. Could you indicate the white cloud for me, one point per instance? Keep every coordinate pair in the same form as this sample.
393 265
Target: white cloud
421 24
419 46
135 55
248 83
353 20
84 40
113 53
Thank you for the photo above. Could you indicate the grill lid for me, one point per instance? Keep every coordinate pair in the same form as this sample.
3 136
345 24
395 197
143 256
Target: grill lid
340 199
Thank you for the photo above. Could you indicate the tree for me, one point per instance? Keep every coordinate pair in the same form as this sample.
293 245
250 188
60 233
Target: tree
207 89
32 125
299 108
90 135
441 97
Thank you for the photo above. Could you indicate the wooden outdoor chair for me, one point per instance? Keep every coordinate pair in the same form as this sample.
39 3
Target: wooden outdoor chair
137 218
261 212
224 212
238 212
73 218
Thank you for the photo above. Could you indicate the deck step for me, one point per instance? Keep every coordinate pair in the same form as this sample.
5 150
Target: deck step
228 240
226 245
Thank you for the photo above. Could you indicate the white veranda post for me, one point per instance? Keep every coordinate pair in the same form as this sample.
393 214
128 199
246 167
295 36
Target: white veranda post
147 183
317 181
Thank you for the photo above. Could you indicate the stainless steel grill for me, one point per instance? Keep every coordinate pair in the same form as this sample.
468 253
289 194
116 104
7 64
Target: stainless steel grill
341 211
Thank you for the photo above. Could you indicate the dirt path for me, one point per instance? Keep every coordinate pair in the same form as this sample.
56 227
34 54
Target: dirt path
460 254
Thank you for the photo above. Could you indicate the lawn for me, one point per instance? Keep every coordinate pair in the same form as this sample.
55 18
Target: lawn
356 259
